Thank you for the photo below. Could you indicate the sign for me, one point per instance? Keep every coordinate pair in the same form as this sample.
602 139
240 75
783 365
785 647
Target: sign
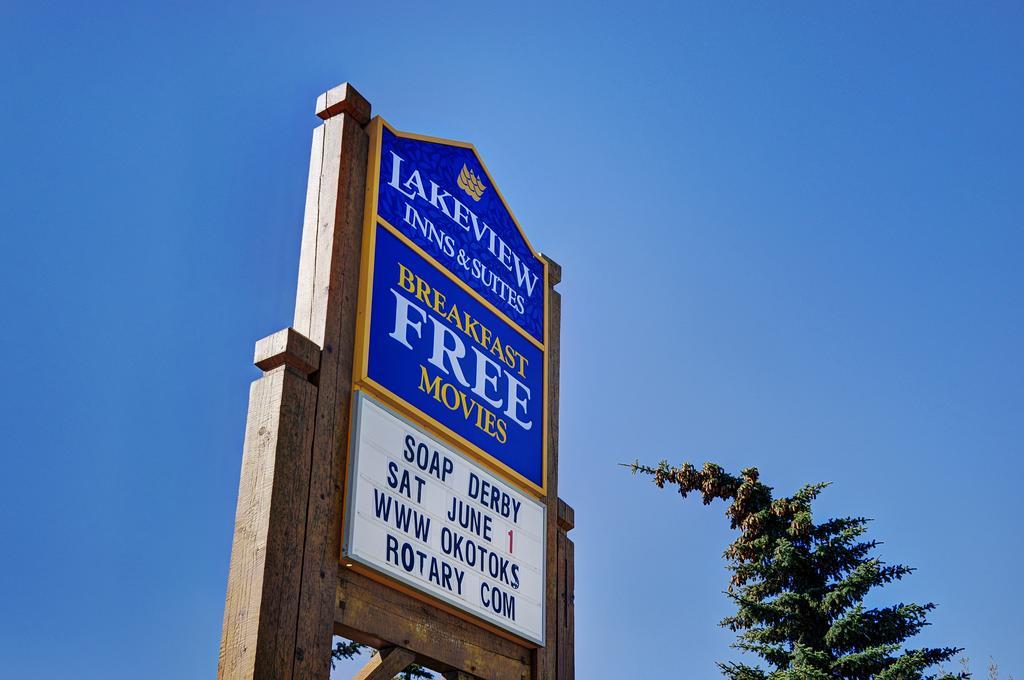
424 514
425 328
441 196
453 304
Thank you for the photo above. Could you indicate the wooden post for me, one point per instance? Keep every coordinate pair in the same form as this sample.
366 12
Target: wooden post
546 665
325 308
279 613
262 606
565 645
287 595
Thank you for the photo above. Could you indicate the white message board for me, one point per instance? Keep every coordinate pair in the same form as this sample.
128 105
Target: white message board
428 516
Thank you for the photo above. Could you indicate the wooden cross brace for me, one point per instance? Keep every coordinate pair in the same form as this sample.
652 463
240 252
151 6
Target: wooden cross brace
385 664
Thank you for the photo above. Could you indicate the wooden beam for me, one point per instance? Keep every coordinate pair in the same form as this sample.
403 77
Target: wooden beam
377 615
305 290
325 309
343 99
546 665
566 516
565 645
385 664
261 607
287 347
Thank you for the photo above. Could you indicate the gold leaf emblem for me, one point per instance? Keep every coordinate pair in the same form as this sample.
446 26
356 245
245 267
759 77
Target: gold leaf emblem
471 184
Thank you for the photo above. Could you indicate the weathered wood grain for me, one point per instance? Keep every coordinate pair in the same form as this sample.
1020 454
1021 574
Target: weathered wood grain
565 646
547 658
385 664
378 615
304 291
331 323
261 607
566 643
343 99
566 516
287 347
458 675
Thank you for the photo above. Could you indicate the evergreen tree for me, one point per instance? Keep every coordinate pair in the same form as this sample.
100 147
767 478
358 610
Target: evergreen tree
346 649
799 586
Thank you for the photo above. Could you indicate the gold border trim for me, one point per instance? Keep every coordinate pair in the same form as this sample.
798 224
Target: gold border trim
467 145
360 373
444 270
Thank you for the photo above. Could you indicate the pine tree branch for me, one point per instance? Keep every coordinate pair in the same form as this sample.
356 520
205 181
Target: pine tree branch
799 586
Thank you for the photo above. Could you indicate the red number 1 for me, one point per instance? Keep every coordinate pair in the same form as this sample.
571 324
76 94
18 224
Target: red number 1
510 540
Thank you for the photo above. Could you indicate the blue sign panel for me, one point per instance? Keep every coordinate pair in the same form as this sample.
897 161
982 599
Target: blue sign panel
440 196
453 304
440 351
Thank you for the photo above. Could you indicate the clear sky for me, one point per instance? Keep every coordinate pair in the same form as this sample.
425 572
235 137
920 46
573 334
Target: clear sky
791 236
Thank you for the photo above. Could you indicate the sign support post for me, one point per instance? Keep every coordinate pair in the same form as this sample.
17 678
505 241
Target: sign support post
287 591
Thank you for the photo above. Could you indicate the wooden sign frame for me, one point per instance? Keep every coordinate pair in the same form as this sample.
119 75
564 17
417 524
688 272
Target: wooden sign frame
287 592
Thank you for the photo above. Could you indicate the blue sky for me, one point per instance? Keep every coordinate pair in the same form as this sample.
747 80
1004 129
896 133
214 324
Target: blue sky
791 237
